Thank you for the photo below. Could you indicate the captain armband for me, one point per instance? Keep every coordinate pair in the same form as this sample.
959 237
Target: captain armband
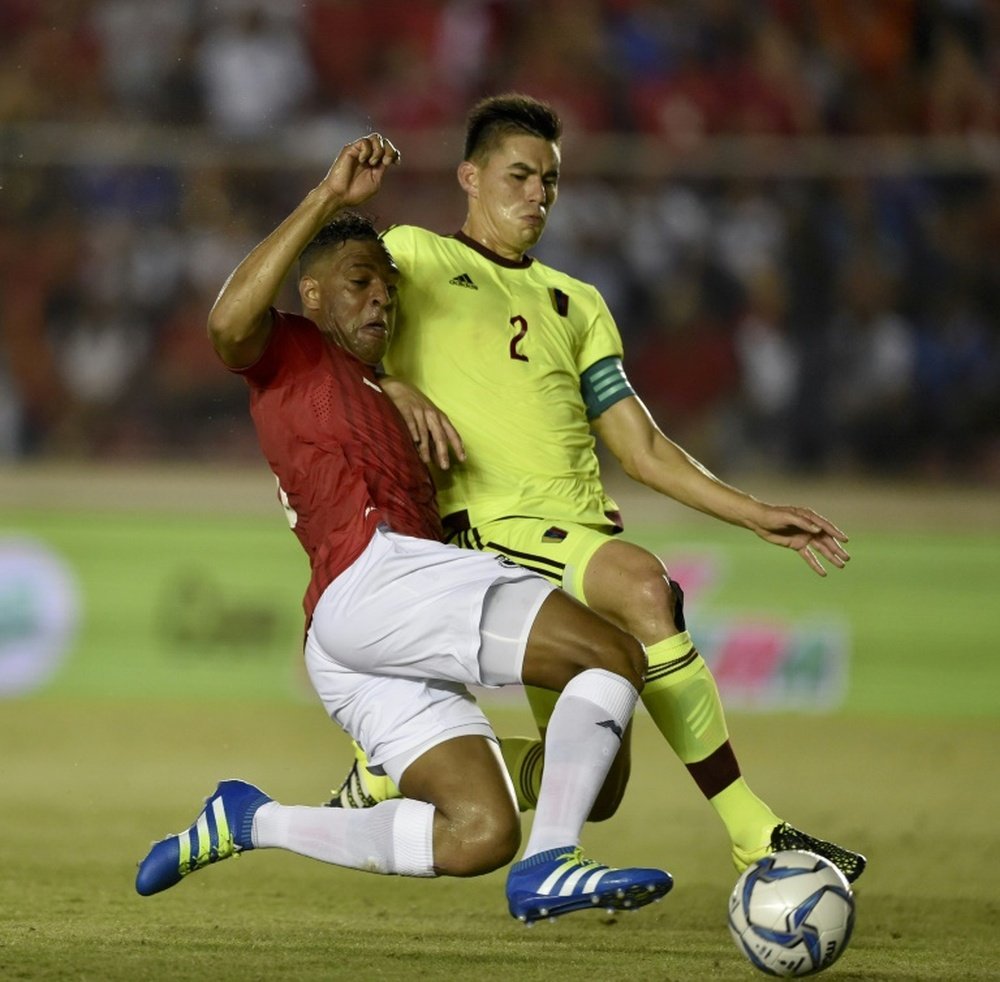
604 384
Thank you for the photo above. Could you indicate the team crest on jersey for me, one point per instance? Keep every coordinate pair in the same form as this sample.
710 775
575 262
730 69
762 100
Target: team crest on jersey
463 279
554 534
560 301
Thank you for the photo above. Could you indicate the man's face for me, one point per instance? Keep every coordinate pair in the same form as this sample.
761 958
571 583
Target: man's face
511 192
351 295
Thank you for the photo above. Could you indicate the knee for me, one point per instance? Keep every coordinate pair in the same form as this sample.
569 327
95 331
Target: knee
478 839
616 651
625 656
654 606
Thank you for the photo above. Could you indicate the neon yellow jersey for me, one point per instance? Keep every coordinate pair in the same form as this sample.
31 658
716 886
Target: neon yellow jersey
500 347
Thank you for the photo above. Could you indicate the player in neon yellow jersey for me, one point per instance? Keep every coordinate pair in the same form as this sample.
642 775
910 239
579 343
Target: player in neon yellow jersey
526 364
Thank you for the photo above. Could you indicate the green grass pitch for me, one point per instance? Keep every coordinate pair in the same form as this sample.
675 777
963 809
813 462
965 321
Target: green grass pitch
145 717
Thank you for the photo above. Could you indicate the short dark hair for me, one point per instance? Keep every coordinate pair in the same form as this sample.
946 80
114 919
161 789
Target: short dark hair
495 117
349 226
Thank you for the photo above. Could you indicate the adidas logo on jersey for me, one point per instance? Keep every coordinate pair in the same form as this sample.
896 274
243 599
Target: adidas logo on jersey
463 279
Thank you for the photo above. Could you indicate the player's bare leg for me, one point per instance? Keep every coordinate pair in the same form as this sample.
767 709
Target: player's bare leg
457 826
476 823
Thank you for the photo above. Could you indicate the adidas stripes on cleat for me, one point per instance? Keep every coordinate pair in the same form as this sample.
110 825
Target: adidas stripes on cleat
361 788
222 830
560 881
785 836
352 793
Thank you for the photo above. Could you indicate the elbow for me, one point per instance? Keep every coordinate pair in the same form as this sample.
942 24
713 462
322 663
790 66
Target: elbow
224 331
223 339
647 469
216 332
236 335
632 466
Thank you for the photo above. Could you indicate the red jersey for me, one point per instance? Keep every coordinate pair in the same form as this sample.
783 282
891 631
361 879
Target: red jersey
344 459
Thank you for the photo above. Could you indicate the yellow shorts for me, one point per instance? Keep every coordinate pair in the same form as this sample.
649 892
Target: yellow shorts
559 551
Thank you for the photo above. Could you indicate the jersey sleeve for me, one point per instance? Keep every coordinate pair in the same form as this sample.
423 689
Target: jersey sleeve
401 241
279 353
268 364
601 339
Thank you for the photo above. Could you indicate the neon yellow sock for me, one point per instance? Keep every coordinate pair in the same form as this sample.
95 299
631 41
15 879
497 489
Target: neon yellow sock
748 820
683 700
542 703
524 758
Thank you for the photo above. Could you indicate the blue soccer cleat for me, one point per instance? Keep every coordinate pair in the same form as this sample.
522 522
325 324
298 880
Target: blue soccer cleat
560 881
220 831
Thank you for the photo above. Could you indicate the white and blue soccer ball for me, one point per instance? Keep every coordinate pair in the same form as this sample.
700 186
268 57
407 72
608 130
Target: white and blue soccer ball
791 913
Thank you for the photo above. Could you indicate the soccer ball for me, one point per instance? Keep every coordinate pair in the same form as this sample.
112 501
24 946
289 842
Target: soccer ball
791 913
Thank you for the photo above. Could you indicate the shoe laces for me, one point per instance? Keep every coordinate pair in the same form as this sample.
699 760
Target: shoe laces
576 855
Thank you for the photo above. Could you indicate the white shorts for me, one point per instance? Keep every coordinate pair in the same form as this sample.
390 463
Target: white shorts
397 637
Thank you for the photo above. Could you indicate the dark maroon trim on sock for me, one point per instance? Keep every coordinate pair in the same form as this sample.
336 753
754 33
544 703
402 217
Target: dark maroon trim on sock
716 772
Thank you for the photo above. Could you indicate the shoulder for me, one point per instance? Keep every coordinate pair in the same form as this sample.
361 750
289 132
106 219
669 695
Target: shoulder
398 233
556 277
409 237
293 339
286 320
563 281
413 238
422 255
294 329
585 297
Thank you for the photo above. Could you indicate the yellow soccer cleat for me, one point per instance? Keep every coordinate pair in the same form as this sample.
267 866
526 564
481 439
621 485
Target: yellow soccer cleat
361 788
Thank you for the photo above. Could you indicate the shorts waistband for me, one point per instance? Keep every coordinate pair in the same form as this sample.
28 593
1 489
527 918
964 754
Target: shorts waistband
457 521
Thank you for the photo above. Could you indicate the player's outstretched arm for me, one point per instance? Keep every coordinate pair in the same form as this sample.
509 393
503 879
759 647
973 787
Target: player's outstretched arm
239 323
650 457
431 429
804 531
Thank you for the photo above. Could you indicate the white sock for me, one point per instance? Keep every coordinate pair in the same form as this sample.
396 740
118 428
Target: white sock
393 837
581 742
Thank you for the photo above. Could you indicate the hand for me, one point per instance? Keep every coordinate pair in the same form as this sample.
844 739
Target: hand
806 532
356 174
430 428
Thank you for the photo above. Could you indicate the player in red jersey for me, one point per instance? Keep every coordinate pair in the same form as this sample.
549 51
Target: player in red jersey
399 624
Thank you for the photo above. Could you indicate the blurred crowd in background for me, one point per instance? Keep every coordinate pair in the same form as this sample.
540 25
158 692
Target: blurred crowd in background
792 207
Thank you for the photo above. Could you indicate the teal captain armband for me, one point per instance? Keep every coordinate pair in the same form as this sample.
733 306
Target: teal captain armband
604 384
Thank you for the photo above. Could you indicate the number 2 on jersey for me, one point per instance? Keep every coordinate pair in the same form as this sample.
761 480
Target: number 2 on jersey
522 325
